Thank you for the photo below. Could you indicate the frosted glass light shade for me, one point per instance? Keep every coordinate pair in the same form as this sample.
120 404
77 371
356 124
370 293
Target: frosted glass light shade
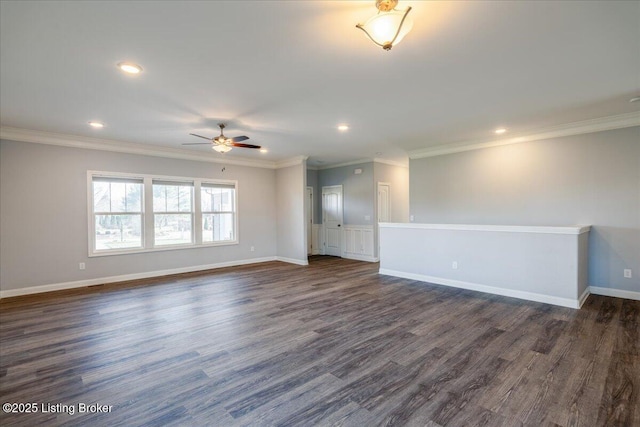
383 27
222 148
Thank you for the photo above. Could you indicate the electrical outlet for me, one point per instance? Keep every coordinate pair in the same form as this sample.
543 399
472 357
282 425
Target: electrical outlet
454 265
627 273
411 218
253 248
81 266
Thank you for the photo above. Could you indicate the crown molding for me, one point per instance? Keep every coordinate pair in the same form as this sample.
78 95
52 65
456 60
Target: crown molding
359 162
391 163
339 165
576 128
298 160
75 141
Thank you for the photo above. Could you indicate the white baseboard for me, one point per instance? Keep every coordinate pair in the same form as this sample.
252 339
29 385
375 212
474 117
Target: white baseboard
359 257
618 293
583 297
530 296
124 277
292 260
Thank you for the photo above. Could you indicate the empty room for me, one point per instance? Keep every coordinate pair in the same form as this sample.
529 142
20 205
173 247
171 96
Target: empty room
320 213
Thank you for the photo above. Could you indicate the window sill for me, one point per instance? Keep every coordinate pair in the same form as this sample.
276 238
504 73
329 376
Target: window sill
161 249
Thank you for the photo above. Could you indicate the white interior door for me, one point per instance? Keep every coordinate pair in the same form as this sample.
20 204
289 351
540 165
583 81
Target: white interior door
309 195
384 208
332 219
384 202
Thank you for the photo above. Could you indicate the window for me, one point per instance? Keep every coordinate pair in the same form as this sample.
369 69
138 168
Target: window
218 204
141 213
172 213
117 213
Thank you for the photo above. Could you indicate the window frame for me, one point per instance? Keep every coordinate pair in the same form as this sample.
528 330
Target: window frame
191 213
234 212
147 215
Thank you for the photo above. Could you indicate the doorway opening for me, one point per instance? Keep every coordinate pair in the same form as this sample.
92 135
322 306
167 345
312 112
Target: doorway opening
332 217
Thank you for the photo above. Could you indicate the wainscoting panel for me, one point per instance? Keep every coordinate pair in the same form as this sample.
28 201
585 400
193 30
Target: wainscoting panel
358 242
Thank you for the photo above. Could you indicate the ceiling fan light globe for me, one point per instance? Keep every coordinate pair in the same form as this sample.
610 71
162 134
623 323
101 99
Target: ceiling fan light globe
222 148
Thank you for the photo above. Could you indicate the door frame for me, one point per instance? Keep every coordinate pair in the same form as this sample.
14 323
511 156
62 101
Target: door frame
309 219
387 184
376 228
341 231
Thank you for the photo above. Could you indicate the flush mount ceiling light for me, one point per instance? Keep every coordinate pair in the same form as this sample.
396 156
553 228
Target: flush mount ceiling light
130 68
636 99
343 128
389 26
264 150
96 125
500 131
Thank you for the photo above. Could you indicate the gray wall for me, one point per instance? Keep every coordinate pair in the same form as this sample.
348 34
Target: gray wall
312 181
43 214
290 214
357 191
585 179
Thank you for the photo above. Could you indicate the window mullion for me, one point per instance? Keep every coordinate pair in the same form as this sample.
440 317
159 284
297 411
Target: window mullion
197 212
148 238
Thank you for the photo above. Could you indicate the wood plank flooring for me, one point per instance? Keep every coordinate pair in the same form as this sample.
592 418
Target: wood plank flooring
333 343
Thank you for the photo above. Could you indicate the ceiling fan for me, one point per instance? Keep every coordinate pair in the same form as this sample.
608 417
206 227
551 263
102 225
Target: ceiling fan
221 143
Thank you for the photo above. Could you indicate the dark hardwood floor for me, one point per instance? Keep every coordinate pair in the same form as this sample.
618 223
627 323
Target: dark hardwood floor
333 343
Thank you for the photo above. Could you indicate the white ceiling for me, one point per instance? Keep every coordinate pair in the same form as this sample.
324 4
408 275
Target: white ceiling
287 73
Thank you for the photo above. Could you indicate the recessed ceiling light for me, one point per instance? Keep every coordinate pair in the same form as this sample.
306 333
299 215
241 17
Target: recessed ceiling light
129 67
264 150
96 125
636 99
343 128
500 131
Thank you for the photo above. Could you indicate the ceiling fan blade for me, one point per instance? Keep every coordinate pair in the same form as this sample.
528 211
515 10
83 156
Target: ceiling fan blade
200 136
235 144
197 143
239 138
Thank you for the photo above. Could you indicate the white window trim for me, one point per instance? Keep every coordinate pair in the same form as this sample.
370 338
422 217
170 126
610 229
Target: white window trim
191 213
234 212
148 244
